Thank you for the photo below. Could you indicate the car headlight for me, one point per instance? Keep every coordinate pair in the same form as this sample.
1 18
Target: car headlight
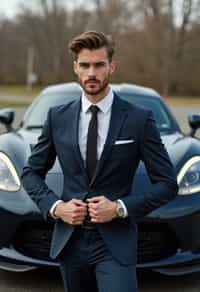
189 177
9 179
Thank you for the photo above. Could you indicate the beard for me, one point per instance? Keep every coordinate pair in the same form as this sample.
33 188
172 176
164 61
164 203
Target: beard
90 90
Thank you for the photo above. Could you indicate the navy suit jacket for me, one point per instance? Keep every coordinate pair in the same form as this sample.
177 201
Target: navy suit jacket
114 173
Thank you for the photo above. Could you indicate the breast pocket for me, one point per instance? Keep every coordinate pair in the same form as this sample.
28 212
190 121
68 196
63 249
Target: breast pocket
124 150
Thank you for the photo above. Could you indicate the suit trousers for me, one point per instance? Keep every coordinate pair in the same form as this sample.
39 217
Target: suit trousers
87 265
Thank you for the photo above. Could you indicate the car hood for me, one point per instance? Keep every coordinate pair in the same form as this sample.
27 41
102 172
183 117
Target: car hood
170 139
177 145
172 143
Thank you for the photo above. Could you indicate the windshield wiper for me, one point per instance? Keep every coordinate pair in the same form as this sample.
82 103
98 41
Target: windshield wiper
34 127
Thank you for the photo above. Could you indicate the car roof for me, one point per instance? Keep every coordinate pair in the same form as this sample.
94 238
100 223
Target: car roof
123 87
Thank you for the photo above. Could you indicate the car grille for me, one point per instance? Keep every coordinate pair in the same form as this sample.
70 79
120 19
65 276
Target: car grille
156 241
33 239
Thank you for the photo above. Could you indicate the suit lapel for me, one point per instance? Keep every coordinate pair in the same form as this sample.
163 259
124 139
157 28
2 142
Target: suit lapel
74 117
118 116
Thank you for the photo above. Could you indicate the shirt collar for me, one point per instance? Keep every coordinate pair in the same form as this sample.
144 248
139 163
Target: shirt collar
104 104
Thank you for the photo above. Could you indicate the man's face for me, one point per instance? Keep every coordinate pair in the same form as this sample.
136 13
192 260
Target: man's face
94 70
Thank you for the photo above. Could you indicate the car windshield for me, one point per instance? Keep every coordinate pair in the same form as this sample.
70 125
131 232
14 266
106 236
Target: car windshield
37 112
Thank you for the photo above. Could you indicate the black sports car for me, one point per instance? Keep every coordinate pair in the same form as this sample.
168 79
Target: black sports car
169 237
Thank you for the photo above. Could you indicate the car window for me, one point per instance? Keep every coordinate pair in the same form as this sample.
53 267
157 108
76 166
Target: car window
161 116
36 114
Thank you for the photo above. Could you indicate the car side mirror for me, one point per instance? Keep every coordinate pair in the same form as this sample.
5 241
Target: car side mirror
7 116
194 122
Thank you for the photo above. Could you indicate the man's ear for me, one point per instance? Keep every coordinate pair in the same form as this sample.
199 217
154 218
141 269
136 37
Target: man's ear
112 66
75 67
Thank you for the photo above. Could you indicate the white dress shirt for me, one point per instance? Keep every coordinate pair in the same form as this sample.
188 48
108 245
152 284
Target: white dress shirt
103 116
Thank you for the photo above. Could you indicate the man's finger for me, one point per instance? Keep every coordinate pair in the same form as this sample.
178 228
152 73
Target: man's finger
79 202
78 222
95 199
96 220
93 212
93 205
79 218
78 209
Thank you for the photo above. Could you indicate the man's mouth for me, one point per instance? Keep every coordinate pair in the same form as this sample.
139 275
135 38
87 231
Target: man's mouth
92 82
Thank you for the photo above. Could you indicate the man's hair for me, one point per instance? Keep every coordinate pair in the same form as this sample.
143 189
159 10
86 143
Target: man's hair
92 40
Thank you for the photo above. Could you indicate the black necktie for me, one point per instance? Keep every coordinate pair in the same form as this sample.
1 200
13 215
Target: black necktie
91 151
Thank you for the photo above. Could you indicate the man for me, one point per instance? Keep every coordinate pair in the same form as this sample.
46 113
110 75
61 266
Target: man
99 141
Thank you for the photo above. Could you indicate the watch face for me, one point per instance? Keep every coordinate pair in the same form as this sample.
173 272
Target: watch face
120 210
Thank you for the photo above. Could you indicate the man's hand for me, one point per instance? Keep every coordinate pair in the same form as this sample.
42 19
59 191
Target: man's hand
101 209
72 212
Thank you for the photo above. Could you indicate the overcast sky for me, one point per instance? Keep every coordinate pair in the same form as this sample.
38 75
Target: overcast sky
10 7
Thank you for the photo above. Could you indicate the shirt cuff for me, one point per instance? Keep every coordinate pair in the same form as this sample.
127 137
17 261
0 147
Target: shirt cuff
51 212
124 207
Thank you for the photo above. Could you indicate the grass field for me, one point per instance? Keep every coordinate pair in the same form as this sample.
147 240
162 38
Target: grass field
183 100
20 90
14 103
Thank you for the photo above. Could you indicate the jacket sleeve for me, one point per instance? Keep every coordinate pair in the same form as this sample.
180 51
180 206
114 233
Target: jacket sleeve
160 170
39 163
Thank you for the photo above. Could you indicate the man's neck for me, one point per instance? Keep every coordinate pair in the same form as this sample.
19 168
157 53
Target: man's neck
96 98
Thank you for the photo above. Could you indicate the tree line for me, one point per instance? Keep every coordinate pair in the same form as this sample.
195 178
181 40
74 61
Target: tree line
157 41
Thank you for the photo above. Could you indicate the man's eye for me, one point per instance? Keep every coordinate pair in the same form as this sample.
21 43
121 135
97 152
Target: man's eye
99 65
84 65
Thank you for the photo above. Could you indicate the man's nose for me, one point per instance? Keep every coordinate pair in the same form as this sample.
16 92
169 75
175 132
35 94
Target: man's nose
91 71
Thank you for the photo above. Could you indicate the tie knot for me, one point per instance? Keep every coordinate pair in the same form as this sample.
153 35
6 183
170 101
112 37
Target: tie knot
94 109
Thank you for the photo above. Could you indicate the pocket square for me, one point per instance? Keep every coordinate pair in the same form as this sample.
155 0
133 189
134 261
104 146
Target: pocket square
118 142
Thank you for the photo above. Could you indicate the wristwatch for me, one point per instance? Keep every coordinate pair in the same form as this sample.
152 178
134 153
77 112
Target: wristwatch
120 210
